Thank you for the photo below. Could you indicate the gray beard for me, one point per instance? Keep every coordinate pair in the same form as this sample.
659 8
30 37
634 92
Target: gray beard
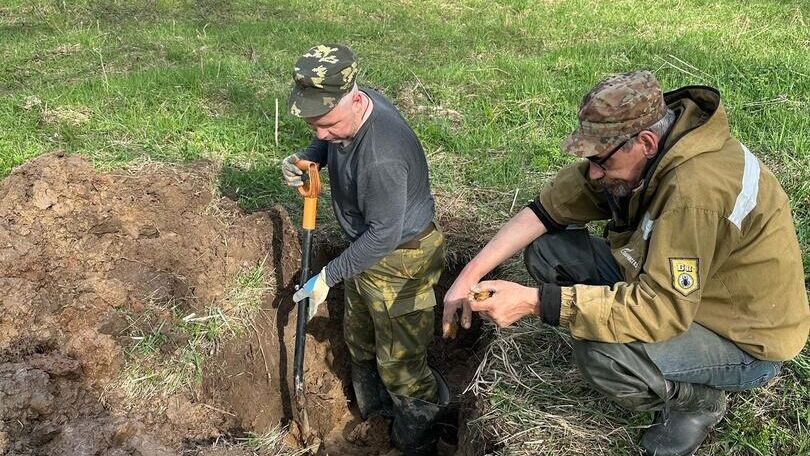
618 188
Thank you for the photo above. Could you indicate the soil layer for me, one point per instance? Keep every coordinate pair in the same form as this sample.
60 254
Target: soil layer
92 264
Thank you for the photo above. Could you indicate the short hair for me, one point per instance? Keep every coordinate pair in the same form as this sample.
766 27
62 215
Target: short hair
663 125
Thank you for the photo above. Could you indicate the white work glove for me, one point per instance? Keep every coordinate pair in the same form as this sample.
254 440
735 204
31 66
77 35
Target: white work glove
291 173
316 290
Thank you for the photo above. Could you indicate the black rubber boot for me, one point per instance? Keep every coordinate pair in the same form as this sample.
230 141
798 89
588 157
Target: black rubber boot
372 397
414 431
693 410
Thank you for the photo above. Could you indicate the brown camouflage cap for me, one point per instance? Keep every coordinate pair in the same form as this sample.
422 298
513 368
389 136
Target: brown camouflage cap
322 76
613 111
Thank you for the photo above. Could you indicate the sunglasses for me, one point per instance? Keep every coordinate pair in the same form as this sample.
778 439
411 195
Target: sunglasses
600 161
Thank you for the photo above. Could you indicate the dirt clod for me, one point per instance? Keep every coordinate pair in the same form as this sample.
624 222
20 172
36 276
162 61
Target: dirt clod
373 432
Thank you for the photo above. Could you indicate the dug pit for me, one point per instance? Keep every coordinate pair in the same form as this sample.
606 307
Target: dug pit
142 313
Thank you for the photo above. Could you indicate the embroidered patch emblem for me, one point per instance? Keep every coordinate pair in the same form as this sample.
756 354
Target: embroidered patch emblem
685 276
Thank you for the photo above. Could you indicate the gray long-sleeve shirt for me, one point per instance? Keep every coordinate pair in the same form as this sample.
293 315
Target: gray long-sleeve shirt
380 188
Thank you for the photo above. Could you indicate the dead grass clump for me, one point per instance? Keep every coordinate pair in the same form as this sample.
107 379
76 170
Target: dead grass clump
274 442
66 114
415 100
535 401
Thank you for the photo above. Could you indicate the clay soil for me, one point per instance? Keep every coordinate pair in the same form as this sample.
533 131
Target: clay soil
91 261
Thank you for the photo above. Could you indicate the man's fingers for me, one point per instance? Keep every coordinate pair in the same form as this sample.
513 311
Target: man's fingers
449 330
448 311
299 295
480 306
292 172
311 311
478 297
466 315
292 175
449 320
291 179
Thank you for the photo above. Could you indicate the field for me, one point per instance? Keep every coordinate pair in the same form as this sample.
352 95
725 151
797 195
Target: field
491 88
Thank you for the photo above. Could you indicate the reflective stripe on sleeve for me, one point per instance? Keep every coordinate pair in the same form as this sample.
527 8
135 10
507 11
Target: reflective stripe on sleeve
747 199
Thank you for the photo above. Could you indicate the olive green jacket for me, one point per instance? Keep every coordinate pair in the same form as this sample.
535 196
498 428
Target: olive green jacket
708 237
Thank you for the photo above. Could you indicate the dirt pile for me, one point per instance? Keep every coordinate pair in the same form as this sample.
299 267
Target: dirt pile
142 314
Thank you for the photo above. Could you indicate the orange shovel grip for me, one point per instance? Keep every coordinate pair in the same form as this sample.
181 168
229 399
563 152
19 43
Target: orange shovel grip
310 191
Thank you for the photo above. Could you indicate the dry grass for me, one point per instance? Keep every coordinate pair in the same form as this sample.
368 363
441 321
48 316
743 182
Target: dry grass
274 442
271 443
534 400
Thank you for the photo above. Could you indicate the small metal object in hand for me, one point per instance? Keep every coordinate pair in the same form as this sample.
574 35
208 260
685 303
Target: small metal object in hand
482 295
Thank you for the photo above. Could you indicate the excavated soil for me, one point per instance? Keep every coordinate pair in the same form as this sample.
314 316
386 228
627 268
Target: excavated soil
89 261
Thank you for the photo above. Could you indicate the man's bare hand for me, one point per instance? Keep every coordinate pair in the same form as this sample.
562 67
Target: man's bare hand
507 303
455 299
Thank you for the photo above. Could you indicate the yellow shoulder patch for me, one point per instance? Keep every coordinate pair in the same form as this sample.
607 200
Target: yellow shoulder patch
685 275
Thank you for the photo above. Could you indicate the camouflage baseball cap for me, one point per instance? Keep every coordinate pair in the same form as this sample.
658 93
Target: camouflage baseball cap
322 76
613 111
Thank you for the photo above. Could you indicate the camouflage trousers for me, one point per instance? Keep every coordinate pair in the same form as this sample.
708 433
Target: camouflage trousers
388 316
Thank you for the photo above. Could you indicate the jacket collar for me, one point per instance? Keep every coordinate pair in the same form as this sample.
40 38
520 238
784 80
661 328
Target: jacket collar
701 126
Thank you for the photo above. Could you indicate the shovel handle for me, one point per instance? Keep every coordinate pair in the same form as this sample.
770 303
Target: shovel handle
312 181
310 191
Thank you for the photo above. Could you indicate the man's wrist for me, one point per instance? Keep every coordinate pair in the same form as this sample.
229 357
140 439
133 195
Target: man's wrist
532 302
328 278
470 272
538 293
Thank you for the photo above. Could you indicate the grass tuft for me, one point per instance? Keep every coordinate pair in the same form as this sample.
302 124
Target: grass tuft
270 443
244 298
152 371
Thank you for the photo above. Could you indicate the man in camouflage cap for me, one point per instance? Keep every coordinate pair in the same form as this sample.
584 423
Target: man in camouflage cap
380 192
698 288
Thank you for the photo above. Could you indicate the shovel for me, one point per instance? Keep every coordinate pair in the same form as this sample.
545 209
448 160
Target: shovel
310 190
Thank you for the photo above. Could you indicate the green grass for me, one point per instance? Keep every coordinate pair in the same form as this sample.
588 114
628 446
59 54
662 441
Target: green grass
490 88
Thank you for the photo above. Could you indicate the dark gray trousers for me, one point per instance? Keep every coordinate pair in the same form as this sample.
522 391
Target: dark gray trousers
634 374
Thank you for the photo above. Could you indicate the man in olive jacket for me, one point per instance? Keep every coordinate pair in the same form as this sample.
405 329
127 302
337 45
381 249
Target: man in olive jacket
698 288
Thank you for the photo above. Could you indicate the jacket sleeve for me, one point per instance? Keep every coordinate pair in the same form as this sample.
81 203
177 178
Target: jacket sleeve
382 198
316 151
662 301
571 199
